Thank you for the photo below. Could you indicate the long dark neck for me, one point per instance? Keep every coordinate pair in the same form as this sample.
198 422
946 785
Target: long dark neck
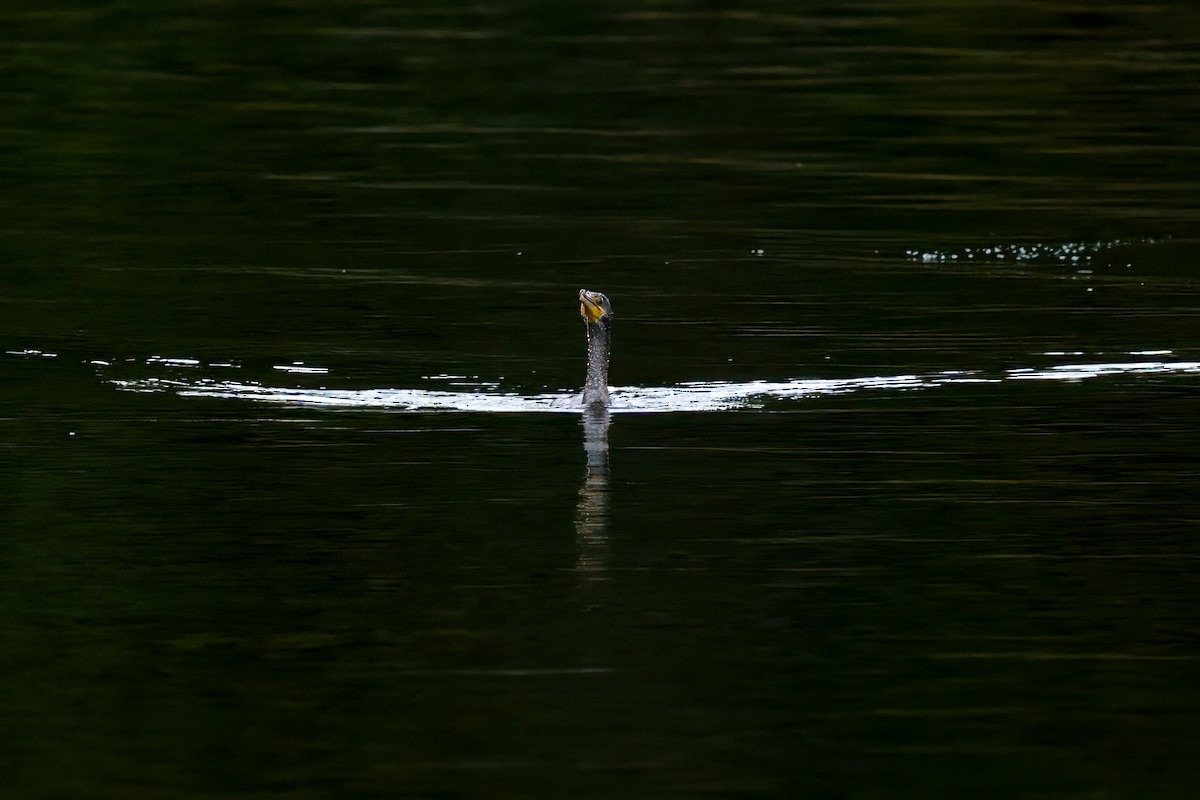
595 387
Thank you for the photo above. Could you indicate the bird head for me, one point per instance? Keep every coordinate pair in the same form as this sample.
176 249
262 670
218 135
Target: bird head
594 307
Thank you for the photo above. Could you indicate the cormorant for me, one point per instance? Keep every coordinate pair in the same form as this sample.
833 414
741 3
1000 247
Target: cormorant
597 316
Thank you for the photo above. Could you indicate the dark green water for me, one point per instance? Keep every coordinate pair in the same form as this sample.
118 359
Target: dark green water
960 590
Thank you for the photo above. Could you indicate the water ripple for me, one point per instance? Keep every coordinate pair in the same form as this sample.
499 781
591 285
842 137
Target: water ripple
692 396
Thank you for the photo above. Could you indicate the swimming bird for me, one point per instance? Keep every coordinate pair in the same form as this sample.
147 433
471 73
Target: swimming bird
597 314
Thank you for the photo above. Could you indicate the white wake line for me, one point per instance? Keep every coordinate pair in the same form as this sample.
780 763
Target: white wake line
715 396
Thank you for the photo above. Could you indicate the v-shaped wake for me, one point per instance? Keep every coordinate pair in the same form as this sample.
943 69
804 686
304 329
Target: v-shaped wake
684 397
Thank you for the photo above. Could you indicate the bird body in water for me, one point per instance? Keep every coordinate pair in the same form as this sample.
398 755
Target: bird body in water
596 311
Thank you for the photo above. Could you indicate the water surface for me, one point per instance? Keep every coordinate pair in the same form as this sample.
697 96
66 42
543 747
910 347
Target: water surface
912 290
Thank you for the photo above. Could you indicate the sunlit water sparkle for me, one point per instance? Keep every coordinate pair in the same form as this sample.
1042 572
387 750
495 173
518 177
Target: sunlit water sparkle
1075 253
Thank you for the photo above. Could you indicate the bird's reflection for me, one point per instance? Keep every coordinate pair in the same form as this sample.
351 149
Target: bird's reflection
591 514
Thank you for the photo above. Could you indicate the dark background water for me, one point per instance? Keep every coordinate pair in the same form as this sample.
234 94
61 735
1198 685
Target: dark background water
982 590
